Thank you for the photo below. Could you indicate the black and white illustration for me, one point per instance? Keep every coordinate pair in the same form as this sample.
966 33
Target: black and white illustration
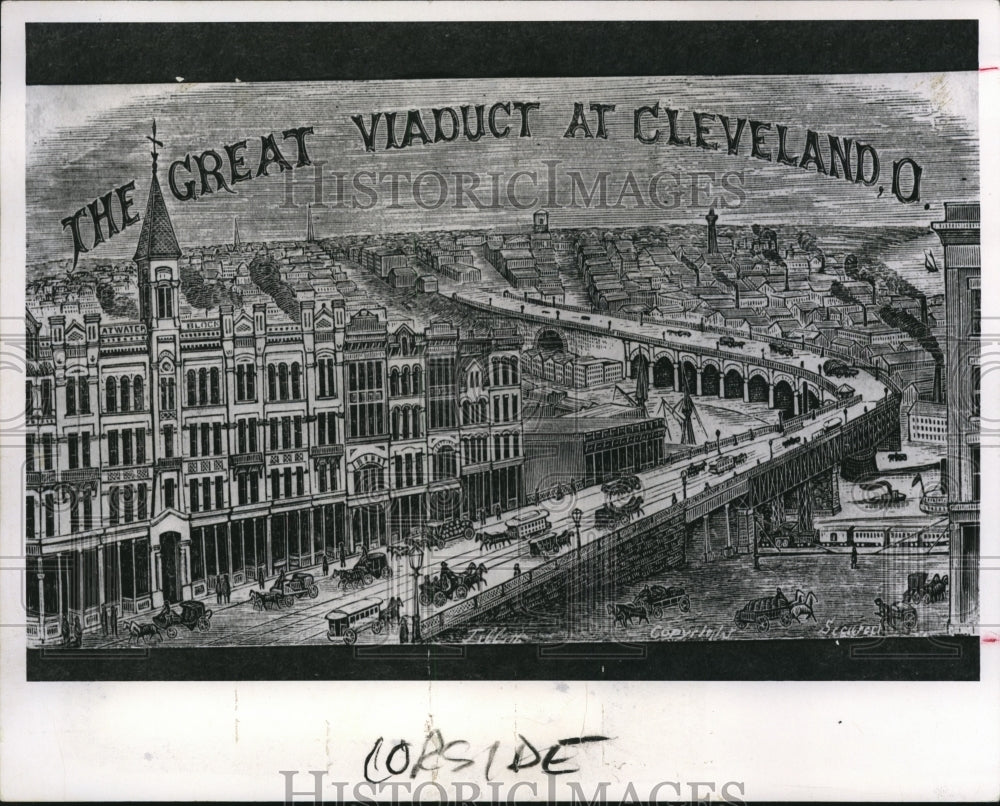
535 361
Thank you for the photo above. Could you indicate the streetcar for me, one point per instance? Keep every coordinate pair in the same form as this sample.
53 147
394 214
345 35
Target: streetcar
528 524
350 619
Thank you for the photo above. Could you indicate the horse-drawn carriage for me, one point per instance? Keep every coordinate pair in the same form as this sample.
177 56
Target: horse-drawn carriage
923 590
194 615
623 485
347 621
365 571
657 598
759 613
437 534
608 515
440 588
898 616
550 543
693 469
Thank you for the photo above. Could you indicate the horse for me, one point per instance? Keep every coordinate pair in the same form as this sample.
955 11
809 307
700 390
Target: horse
624 612
475 576
487 540
803 606
143 631
938 587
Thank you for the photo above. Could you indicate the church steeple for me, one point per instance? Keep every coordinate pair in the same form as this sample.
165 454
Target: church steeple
157 254
237 244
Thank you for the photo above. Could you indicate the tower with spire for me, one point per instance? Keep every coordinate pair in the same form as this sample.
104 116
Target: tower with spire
713 239
156 258
237 243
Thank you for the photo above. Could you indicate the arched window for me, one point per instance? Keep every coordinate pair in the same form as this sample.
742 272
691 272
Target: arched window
466 413
483 410
415 413
111 395
514 370
215 390
296 380
137 394
505 372
125 394
283 381
202 386
406 422
417 375
404 382
394 382
272 382
395 423
192 388
496 371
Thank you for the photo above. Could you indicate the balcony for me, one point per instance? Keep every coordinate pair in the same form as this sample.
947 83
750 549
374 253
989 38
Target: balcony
246 459
323 451
171 463
81 475
41 479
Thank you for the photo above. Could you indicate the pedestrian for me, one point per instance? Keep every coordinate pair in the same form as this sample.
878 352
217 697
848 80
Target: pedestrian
498 512
343 556
517 569
114 620
77 632
104 620
227 588
218 588
67 638
404 632
482 515
326 565
854 557
260 577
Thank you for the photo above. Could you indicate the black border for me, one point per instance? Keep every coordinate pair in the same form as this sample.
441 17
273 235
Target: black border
883 659
133 53
141 53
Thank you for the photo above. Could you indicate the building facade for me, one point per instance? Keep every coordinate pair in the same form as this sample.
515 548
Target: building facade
959 233
165 453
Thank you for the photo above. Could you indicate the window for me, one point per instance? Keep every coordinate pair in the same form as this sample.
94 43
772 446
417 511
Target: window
202 386
217 438
71 396
215 386
192 440
205 443
46 396
219 499
324 368
110 395
273 428
275 485
125 394
193 495
975 312
296 381
168 441
300 482
30 451
141 501
29 517
169 493
246 382
298 431
206 493
975 471
272 383
112 448
126 437
975 390
140 446
287 479
164 303
29 398
74 458
283 381
138 397
192 388
286 432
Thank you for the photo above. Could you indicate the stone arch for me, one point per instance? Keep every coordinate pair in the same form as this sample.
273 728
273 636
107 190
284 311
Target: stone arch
710 379
784 398
639 363
733 383
689 377
810 398
758 388
663 373
549 339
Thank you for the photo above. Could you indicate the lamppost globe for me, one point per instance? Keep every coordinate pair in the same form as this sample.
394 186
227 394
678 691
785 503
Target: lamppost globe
415 558
577 515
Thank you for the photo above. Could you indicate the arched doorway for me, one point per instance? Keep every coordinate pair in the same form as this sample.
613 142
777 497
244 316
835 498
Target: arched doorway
549 340
710 380
784 398
758 389
733 384
689 378
170 562
639 364
663 373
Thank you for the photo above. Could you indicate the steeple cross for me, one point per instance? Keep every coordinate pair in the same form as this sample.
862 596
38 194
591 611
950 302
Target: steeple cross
155 143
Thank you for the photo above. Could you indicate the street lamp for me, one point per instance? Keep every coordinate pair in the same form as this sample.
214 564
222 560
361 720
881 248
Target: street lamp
577 515
416 560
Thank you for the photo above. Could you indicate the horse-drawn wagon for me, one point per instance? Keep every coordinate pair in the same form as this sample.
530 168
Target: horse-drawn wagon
437 534
608 515
440 588
365 571
759 613
921 589
657 598
550 543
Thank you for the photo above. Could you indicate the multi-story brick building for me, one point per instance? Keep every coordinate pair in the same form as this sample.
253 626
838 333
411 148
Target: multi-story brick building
163 453
959 233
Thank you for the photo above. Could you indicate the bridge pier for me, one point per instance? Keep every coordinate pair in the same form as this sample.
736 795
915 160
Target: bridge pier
746 391
770 395
677 375
698 383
